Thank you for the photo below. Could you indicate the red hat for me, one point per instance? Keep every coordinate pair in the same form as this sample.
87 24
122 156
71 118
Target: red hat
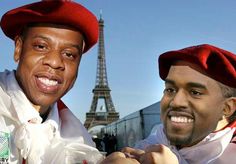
58 12
217 63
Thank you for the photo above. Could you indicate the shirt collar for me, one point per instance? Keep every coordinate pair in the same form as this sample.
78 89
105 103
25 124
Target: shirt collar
53 116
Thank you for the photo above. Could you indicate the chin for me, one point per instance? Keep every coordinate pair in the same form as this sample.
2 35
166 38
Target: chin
177 140
45 101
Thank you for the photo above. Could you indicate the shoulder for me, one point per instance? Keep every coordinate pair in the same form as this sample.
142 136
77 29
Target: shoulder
228 155
3 78
69 122
156 136
6 78
5 99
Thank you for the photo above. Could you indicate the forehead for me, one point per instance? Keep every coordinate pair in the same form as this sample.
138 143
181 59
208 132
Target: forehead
55 34
182 75
53 25
45 26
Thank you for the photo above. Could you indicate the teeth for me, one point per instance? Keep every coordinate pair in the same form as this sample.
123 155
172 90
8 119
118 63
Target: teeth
181 119
48 82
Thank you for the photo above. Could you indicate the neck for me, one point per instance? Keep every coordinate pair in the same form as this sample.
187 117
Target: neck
231 125
221 124
43 111
44 116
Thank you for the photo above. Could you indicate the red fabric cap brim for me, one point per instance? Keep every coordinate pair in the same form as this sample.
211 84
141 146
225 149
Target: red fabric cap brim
58 12
217 63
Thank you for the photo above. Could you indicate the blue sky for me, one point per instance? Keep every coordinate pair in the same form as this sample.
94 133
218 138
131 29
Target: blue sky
136 32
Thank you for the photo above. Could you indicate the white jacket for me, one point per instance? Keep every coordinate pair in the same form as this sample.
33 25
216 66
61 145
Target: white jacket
60 139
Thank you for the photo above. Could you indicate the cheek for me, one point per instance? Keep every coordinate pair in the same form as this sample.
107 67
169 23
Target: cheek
71 73
164 106
209 109
24 68
208 115
165 102
215 114
30 60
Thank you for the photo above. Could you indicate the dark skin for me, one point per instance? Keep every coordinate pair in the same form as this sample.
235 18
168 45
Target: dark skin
192 107
48 59
153 154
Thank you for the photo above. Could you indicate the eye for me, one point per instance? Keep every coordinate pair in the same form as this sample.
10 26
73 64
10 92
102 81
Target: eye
70 55
40 47
195 93
169 91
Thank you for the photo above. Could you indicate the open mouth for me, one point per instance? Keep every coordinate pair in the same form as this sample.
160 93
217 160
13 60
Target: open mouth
181 119
179 122
48 85
47 81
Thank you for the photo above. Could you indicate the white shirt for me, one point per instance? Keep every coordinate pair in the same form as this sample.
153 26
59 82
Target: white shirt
60 139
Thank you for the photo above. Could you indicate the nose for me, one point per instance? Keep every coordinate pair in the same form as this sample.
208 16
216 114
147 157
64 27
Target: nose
179 100
54 60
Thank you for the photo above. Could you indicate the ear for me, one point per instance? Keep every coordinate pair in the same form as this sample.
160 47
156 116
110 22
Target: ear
230 107
18 48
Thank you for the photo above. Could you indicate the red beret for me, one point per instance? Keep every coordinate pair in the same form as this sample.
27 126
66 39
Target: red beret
58 12
217 63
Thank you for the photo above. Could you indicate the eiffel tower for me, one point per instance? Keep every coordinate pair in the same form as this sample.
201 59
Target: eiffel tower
101 90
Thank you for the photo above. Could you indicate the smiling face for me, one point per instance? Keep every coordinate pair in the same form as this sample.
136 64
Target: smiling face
48 58
192 106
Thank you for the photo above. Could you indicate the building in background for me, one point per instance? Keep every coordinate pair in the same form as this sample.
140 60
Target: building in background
135 126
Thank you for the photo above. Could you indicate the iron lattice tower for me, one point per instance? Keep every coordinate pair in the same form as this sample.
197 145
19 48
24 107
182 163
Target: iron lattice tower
101 90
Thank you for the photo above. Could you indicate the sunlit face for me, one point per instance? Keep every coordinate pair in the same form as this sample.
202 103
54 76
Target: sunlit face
191 107
48 62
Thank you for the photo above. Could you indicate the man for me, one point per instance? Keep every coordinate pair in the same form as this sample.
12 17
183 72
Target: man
35 125
198 110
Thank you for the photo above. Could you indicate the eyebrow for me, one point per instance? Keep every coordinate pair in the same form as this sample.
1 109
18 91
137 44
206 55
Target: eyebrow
189 84
41 36
168 81
80 49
